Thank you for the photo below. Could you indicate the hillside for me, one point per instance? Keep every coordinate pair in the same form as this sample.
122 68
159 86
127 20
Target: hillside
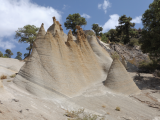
70 77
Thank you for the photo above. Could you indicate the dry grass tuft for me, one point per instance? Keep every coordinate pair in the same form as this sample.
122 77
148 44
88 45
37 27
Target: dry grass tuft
3 77
118 108
81 115
12 76
103 106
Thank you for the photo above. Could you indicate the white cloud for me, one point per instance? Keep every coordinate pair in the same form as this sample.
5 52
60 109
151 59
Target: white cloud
136 20
6 44
99 6
64 6
86 16
18 13
111 23
105 5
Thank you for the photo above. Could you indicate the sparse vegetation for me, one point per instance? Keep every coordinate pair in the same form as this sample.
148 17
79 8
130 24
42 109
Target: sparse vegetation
118 108
133 42
115 55
81 115
12 76
147 66
89 32
3 77
133 61
103 106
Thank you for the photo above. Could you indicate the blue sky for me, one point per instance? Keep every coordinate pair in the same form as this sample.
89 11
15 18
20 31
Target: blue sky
15 14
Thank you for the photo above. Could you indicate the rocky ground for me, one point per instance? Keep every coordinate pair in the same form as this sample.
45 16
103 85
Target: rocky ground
17 104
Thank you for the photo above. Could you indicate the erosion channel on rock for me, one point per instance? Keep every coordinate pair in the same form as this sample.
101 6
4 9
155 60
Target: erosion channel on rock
59 65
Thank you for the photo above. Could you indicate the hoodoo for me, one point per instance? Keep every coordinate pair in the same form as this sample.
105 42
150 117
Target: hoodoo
119 80
60 65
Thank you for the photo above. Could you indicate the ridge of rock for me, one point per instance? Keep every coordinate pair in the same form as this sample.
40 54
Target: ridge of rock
59 65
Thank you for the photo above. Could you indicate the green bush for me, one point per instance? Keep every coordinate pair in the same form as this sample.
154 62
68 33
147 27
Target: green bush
114 55
81 115
104 39
147 66
133 42
89 32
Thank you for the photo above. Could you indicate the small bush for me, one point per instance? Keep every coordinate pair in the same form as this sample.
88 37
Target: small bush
89 32
147 66
12 76
118 108
80 115
3 77
133 42
115 55
103 106
104 39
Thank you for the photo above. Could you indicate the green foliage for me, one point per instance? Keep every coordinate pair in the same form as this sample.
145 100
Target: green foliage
26 54
115 55
19 56
8 53
133 33
104 38
125 27
12 76
89 32
151 31
118 108
81 115
97 29
73 20
133 42
1 54
112 35
27 34
147 66
5 56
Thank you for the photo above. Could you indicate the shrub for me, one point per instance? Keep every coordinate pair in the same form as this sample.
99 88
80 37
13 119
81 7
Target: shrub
12 76
104 39
118 108
115 55
3 77
80 115
103 106
133 42
147 66
89 32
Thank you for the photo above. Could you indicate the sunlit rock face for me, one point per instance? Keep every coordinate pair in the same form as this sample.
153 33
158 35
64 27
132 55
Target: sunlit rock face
59 65
119 80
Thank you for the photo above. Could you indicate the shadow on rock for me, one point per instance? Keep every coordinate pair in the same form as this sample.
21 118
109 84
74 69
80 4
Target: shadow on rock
144 82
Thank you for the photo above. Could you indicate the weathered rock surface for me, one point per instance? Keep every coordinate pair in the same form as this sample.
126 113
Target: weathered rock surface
119 80
63 67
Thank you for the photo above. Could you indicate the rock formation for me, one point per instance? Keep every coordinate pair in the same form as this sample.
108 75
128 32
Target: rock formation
119 80
60 65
